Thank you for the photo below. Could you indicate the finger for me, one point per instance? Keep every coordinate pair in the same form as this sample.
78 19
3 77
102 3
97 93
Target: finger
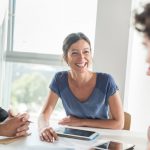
61 123
23 128
64 120
54 134
24 117
26 123
22 133
11 113
47 136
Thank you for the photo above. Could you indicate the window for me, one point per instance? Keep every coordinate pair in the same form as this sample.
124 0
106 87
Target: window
36 30
41 25
30 86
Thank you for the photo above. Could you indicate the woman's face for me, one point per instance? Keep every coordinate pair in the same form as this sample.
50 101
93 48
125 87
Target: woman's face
79 56
146 43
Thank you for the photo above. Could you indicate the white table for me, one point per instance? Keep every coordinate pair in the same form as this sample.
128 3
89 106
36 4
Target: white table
33 142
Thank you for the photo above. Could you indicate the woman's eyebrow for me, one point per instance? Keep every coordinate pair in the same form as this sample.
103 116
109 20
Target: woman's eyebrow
78 49
86 48
74 50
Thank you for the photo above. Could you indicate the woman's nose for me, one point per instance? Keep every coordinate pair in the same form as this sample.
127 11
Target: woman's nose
81 55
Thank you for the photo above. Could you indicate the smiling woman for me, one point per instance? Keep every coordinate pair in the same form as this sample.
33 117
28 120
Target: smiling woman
87 96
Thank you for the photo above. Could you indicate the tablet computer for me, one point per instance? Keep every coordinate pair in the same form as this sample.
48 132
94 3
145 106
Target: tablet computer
112 145
76 133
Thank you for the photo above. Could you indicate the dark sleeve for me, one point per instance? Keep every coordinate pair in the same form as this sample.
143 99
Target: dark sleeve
3 114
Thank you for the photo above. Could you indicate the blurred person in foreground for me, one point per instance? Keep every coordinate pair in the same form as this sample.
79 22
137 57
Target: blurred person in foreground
142 24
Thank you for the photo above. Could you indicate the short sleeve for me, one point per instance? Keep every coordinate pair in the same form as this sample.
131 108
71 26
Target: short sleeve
54 86
112 87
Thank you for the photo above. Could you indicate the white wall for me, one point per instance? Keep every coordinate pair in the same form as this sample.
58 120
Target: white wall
111 42
128 69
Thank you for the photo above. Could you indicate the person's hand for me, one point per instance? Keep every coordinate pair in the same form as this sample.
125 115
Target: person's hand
48 135
70 121
22 130
11 113
25 116
116 145
15 125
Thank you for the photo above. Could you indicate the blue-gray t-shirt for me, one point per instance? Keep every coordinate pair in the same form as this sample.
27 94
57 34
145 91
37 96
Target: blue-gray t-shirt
95 107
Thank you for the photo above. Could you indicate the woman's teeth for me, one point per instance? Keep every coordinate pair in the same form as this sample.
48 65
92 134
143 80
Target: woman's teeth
81 65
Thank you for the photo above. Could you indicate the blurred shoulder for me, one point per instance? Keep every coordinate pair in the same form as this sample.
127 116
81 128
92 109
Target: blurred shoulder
61 74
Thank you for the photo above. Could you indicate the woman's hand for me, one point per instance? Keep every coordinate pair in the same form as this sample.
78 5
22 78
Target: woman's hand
48 135
71 121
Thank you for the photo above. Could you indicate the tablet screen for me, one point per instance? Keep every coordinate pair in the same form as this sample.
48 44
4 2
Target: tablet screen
76 133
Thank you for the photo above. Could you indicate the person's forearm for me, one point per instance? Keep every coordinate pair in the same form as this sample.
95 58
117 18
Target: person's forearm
43 122
97 123
2 130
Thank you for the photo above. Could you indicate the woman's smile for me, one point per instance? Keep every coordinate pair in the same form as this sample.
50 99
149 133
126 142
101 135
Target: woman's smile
81 65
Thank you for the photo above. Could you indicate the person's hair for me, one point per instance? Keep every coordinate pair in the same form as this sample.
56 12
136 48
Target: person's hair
142 20
71 39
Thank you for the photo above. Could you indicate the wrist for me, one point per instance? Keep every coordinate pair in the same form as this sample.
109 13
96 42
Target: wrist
42 125
82 122
42 122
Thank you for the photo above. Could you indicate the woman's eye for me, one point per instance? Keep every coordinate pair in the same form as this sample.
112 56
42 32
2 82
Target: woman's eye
86 52
74 53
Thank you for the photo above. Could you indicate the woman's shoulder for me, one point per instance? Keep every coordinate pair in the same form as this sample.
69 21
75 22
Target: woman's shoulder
104 76
59 79
61 74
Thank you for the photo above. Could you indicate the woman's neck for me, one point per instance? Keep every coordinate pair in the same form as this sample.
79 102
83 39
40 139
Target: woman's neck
80 79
